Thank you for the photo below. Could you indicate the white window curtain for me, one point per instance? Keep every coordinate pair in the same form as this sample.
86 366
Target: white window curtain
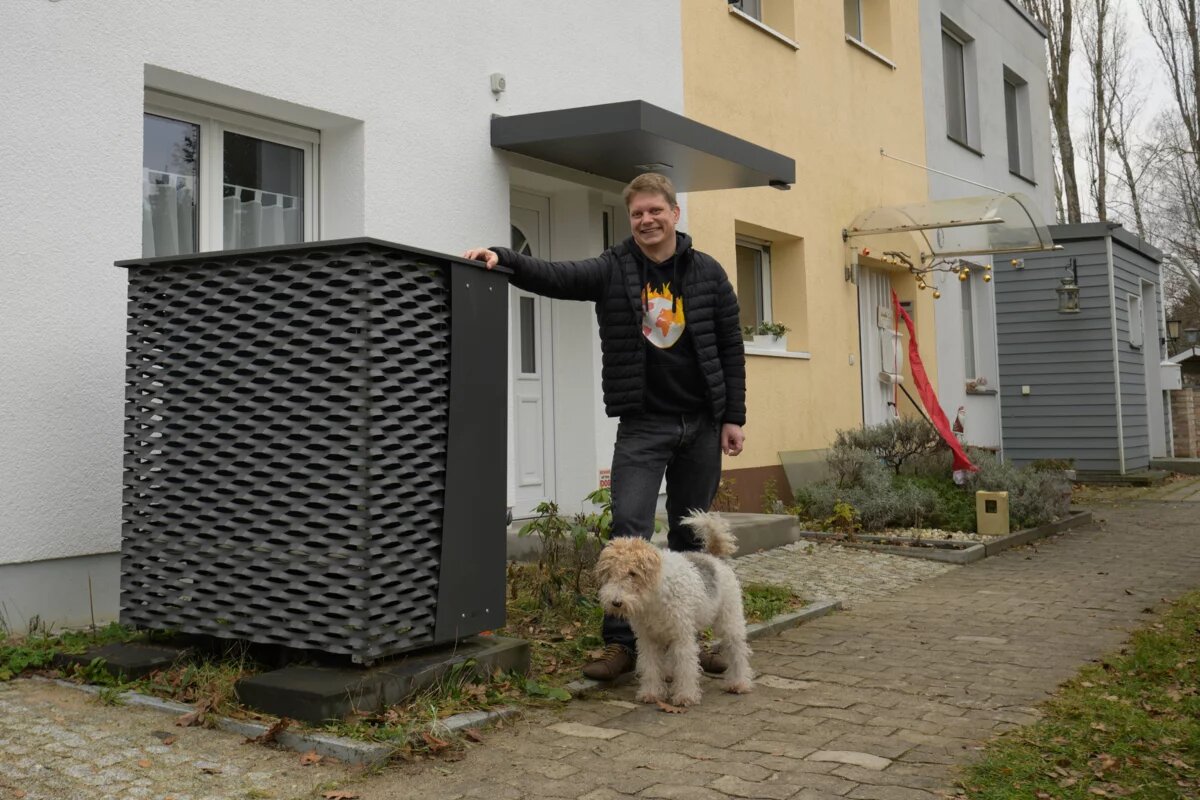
257 218
168 214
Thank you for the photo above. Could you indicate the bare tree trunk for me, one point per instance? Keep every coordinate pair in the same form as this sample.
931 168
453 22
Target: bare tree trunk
1057 16
1095 33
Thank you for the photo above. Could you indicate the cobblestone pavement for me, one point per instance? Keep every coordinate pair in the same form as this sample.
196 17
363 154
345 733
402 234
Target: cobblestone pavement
58 743
879 703
1176 489
833 572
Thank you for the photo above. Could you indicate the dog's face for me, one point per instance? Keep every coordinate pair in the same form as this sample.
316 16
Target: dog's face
628 570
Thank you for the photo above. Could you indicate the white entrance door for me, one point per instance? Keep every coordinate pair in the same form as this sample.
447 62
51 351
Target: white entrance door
879 344
532 363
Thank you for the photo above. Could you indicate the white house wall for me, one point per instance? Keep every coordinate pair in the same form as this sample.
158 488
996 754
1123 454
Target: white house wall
1003 37
400 93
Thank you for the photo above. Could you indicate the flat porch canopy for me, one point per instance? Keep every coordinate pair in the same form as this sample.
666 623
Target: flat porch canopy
622 140
965 226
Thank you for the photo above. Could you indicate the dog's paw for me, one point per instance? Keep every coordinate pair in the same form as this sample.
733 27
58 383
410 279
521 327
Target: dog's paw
741 687
685 698
647 696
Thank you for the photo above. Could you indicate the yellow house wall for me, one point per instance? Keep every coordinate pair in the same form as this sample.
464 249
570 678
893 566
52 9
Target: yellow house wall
830 106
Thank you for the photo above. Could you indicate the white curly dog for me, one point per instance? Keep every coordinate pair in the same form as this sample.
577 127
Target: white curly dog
669 598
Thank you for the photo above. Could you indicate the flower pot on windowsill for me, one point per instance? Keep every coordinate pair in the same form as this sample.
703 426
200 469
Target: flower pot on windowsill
766 341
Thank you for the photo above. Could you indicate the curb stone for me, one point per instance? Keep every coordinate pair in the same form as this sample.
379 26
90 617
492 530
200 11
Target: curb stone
960 552
757 630
350 751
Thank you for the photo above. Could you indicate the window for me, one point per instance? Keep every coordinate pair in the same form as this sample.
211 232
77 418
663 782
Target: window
1136 322
752 8
1016 117
968 331
754 281
214 179
954 66
854 26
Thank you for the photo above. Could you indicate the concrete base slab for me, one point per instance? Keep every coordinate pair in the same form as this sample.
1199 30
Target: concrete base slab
317 694
125 661
1188 466
1145 477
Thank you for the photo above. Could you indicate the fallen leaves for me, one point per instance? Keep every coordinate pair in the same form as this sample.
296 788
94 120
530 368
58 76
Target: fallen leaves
670 709
270 733
340 794
196 715
310 758
473 734
144 763
434 744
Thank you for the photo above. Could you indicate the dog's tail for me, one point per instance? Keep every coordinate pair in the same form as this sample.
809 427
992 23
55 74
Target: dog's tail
714 532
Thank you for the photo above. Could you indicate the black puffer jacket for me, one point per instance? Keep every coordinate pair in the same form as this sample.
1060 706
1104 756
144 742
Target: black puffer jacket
613 281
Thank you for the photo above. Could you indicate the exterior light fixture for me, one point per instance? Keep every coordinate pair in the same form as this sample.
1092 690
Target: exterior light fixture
1068 291
1174 329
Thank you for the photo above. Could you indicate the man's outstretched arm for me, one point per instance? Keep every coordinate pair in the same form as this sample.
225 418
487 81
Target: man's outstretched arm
564 280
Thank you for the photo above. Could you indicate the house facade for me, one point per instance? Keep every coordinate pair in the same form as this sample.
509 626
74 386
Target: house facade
987 129
831 84
406 122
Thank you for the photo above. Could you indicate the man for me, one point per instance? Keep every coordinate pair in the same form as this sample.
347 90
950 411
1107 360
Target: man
674 372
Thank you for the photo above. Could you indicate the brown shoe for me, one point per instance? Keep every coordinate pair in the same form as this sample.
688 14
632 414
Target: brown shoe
613 662
711 661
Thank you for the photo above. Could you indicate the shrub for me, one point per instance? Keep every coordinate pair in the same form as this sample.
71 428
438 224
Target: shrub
892 442
1034 498
954 508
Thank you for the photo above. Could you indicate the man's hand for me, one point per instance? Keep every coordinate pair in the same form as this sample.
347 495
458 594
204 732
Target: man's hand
732 439
488 257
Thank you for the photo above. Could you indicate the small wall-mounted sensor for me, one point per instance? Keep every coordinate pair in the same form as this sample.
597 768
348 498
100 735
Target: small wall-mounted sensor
498 86
1026 390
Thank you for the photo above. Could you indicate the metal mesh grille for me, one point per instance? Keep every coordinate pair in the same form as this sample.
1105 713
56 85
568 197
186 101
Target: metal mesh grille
286 423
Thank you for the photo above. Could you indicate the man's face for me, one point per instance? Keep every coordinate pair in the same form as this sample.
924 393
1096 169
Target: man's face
652 219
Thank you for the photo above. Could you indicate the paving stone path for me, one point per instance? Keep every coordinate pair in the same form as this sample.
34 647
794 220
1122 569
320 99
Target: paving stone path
879 703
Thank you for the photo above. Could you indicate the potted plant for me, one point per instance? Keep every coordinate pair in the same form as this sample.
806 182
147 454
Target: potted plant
767 335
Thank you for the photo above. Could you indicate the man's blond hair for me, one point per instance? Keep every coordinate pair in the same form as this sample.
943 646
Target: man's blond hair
651 183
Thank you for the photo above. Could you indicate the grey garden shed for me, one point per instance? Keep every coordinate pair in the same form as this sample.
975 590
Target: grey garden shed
1079 332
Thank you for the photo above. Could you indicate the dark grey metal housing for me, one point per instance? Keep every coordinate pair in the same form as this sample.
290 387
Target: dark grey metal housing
622 140
1090 387
315 447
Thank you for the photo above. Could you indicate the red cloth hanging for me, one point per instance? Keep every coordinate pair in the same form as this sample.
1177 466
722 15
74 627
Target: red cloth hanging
929 396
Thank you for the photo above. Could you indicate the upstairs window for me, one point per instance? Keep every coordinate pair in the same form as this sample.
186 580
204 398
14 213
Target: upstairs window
954 65
854 19
214 179
1017 125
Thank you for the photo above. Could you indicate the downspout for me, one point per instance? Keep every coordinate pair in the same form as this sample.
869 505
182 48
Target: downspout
1112 313
1165 394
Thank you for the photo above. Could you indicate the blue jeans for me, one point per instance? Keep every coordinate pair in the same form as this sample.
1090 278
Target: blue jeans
687 448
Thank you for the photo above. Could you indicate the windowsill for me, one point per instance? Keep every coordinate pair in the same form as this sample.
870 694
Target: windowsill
965 146
767 29
758 351
984 392
1030 181
873 53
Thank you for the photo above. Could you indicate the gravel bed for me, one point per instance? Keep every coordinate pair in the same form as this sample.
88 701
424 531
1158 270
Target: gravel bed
832 572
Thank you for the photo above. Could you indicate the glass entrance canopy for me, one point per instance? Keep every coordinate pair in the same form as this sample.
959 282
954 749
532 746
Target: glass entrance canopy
965 226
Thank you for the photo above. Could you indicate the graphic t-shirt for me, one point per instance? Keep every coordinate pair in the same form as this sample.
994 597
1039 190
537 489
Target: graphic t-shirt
674 383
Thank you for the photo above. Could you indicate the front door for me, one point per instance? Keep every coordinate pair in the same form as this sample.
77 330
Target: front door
879 343
532 363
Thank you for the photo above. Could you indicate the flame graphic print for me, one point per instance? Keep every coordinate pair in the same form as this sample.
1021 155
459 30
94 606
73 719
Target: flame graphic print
661 326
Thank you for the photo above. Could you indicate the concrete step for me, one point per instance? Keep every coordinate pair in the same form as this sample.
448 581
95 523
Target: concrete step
1146 477
1188 466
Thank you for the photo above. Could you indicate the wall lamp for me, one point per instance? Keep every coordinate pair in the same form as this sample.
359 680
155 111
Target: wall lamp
1068 290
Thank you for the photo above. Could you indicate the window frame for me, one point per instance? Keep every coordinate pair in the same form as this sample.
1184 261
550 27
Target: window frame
1023 124
946 88
214 121
1137 334
859 35
970 350
973 128
763 247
